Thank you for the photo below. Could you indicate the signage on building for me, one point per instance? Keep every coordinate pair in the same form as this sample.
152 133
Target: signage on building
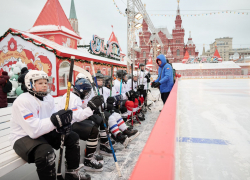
109 50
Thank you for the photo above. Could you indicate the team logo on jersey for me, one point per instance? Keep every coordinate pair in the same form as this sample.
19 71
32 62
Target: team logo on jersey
167 68
82 101
74 109
117 92
28 116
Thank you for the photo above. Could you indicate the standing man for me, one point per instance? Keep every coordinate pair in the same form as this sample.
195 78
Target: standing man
165 80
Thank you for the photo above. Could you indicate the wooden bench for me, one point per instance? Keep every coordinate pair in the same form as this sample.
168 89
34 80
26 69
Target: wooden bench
9 160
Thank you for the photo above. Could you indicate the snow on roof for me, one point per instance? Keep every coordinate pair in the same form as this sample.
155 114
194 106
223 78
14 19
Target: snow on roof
69 51
46 28
223 65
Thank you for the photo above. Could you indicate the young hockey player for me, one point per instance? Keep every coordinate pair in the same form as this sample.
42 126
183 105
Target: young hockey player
137 95
36 127
116 123
143 80
85 123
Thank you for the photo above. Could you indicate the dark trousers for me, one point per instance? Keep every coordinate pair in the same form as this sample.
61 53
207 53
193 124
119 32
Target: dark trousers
40 151
164 96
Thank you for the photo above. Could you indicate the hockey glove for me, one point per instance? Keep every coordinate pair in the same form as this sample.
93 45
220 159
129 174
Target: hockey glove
110 100
148 77
130 94
140 87
95 102
61 118
137 94
123 109
108 107
157 84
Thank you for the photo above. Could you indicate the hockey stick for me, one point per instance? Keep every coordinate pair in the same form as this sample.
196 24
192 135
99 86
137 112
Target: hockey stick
86 73
59 170
111 81
132 115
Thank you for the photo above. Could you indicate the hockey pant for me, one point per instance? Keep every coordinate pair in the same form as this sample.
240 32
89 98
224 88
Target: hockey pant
116 123
40 151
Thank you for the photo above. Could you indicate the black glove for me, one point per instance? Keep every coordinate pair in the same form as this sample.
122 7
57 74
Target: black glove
61 118
157 84
108 106
123 109
153 84
95 102
140 87
148 77
137 94
130 94
139 102
110 100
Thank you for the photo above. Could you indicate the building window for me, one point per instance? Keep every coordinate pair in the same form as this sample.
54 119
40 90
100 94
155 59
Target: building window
178 52
144 54
189 52
63 74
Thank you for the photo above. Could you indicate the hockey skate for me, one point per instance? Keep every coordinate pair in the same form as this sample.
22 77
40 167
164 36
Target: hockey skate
98 157
124 140
76 174
105 149
132 134
141 117
91 164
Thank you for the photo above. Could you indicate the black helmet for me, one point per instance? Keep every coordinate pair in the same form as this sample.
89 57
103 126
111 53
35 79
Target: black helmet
141 65
82 88
107 81
121 73
99 75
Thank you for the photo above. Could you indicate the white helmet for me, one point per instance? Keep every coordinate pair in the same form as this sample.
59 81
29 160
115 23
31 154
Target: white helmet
134 73
30 79
80 75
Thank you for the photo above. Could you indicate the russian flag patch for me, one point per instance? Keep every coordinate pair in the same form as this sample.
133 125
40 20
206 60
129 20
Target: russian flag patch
28 116
74 109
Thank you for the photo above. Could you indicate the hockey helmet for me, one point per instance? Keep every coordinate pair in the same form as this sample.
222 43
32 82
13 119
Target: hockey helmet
107 82
80 75
83 88
31 77
121 73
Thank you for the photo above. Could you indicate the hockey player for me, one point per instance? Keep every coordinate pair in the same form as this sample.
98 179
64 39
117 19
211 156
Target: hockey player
85 123
122 92
143 80
35 127
137 94
116 123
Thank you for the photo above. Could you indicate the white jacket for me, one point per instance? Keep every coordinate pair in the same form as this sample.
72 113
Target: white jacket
129 84
75 104
31 116
116 88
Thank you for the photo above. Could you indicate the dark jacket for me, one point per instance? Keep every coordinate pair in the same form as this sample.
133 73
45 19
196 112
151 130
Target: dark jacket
165 71
3 96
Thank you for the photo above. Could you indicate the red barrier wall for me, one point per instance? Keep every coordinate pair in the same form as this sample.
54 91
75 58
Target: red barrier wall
157 160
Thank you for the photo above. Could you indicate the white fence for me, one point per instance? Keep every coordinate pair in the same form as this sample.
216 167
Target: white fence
217 77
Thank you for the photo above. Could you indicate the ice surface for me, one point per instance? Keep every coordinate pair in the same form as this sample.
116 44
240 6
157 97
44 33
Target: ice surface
213 123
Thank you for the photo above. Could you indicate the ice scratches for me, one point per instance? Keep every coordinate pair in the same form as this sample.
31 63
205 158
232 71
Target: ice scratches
127 157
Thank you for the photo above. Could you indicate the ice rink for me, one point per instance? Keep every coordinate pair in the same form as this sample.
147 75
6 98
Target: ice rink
213 129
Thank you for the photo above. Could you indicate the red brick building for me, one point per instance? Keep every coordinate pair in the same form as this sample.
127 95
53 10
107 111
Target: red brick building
174 45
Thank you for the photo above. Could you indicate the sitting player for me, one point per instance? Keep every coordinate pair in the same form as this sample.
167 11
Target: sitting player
35 127
85 123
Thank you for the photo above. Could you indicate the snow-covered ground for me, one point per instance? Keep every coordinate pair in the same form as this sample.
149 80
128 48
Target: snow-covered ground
213 129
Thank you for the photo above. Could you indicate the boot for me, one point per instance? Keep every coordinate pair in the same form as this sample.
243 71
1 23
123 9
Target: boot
91 164
76 174
132 134
105 149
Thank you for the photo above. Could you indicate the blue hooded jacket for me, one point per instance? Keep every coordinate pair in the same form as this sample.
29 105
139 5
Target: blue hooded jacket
166 73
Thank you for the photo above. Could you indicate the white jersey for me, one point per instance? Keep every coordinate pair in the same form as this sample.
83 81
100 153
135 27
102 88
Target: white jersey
117 88
106 93
129 85
75 104
31 116
142 80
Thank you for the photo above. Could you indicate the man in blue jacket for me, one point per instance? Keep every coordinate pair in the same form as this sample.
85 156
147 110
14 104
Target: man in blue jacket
165 78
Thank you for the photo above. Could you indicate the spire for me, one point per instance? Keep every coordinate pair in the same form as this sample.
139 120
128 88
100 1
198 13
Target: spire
178 8
72 14
203 52
53 14
190 34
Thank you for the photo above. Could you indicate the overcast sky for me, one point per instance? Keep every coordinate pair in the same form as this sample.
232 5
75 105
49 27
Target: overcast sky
97 16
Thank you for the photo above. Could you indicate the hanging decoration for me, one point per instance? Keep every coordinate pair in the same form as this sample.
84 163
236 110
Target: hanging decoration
204 14
118 9
51 50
